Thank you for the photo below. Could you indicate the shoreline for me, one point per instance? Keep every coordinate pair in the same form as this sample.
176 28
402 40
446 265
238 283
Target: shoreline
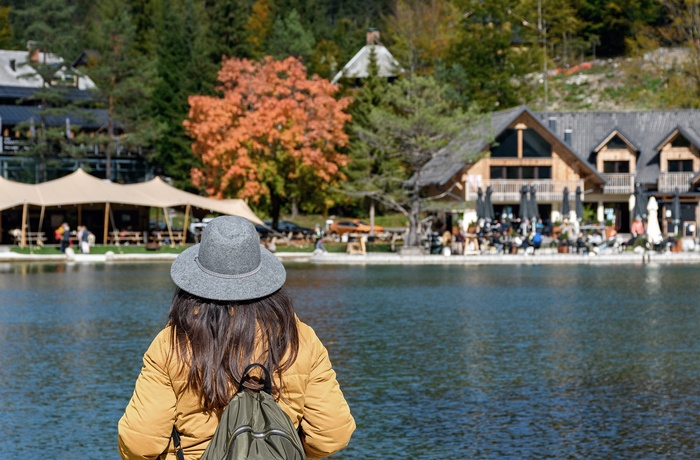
386 258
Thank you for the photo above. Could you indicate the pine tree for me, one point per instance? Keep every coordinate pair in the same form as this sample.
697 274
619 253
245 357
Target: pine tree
290 38
122 77
50 37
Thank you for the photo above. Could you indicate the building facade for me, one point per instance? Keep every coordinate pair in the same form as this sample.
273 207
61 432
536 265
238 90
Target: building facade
606 155
78 130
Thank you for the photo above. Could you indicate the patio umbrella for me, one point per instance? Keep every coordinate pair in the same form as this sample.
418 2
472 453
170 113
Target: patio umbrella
565 205
579 204
480 204
533 205
488 205
676 211
653 230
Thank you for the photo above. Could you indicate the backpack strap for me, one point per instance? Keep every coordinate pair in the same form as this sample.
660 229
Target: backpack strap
267 381
178 448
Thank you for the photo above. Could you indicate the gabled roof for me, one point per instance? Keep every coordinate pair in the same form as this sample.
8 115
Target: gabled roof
617 132
357 66
686 132
466 148
15 73
646 129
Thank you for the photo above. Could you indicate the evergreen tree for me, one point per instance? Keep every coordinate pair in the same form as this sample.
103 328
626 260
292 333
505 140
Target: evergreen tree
227 19
123 79
50 37
369 172
290 38
6 30
182 69
414 121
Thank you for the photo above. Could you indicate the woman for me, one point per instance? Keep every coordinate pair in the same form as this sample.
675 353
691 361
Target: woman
230 310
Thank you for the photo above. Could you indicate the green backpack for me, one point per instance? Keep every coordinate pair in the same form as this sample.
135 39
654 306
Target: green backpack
252 427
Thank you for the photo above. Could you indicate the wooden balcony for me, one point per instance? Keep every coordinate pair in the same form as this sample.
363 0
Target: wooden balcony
508 191
670 181
619 183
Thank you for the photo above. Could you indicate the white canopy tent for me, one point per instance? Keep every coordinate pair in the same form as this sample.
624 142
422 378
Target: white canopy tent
80 188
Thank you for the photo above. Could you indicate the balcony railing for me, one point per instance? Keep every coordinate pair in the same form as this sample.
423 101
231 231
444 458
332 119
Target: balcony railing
619 183
508 191
670 181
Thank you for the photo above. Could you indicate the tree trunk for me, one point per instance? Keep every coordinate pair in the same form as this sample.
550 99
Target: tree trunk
295 208
110 141
275 211
413 218
371 217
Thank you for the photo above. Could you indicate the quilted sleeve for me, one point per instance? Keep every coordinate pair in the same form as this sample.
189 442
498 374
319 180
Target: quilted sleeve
327 423
147 423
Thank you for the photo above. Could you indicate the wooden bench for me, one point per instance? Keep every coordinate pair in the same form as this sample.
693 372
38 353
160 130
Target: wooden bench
125 237
38 238
164 237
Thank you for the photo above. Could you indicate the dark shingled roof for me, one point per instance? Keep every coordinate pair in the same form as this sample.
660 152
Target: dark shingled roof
465 149
85 118
645 130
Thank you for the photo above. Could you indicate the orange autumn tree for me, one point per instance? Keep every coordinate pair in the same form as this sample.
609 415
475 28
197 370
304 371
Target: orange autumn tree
272 134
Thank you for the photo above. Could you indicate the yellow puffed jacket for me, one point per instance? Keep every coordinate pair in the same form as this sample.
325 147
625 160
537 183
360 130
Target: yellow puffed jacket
311 397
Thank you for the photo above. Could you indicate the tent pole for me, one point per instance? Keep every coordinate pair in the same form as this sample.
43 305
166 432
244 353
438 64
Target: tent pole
23 240
41 218
104 241
170 230
184 225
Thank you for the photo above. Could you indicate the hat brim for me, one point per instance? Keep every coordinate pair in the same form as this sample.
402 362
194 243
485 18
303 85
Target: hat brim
187 275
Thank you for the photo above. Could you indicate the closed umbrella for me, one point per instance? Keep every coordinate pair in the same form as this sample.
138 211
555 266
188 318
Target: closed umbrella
579 204
488 205
676 212
565 205
533 205
640 203
524 207
653 228
480 204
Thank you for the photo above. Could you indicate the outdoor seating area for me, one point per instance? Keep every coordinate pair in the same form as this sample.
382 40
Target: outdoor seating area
31 238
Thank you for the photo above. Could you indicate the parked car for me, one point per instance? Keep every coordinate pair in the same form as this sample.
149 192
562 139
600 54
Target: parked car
339 227
286 226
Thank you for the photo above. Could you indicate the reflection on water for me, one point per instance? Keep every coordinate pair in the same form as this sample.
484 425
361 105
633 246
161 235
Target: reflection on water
436 362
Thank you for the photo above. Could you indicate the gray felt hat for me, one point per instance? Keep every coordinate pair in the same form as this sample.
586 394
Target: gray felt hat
229 263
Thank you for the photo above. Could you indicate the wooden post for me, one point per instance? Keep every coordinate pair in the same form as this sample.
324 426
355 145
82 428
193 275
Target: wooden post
80 215
106 232
184 225
170 230
23 240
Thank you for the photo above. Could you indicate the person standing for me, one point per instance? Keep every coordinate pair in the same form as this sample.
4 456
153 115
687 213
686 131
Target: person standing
84 237
65 237
230 309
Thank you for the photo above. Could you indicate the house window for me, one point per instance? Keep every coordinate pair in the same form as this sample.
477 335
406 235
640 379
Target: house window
616 143
680 165
521 172
506 145
535 146
680 141
616 167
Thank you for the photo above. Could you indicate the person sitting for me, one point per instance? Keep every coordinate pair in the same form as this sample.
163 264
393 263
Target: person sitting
637 231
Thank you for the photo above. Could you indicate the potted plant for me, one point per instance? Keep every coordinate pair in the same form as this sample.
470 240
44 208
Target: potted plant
563 243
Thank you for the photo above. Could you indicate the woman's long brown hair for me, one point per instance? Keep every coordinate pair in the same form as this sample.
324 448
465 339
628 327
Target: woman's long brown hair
218 339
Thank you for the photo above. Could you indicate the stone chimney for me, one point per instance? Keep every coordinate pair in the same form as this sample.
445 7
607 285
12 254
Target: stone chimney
372 36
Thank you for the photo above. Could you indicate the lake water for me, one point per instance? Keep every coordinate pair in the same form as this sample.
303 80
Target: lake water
492 362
